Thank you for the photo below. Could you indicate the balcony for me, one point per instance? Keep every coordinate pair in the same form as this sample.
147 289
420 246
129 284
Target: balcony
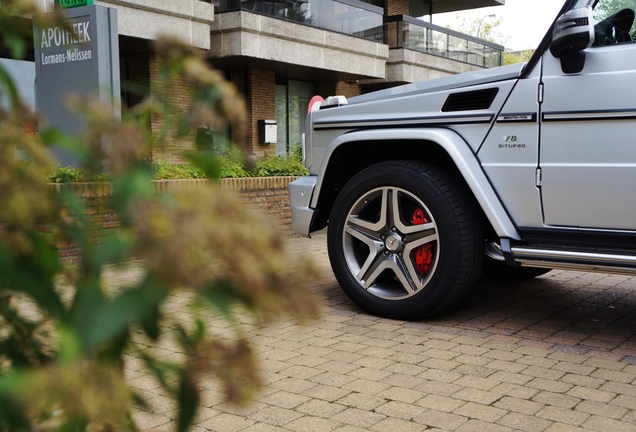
341 40
402 31
317 40
349 17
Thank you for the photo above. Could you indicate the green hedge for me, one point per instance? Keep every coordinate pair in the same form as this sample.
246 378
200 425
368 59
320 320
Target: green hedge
268 166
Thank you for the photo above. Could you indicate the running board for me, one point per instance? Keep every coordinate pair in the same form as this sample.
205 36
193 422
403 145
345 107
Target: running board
574 260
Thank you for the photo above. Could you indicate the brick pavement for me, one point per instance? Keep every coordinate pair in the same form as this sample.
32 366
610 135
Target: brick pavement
554 354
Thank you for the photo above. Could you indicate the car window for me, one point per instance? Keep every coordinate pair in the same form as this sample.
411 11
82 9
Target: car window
614 22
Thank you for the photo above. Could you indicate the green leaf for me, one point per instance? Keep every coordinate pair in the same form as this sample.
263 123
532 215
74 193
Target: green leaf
17 44
211 96
70 347
87 308
21 346
53 137
190 340
184 339
199 332
13 416
33 278
131 186
11 89
188 399
80 232
162 371
114 248
78 229
75 206
222 297
207 162
133 305
150 321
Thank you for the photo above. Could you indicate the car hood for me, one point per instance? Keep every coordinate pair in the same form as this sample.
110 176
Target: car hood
484 76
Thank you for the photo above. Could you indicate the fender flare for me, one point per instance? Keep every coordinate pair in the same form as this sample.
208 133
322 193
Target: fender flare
459 151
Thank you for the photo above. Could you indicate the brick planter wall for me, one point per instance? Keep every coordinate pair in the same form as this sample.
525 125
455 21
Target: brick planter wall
265 194
268 194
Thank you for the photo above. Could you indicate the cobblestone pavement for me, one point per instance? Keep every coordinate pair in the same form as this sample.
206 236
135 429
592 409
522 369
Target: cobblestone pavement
557 353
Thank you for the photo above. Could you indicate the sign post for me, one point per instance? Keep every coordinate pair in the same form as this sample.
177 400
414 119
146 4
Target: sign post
79 58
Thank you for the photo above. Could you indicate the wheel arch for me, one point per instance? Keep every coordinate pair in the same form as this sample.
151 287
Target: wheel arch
352 152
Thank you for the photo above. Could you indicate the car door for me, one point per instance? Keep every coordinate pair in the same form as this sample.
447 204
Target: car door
587 153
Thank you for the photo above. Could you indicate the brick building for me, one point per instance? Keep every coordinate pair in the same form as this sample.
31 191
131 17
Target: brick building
282 52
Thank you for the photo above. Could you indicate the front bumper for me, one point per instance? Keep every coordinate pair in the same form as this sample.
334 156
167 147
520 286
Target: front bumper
301 191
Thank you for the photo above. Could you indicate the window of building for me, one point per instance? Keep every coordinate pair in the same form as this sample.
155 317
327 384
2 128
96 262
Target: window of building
281 118
292 101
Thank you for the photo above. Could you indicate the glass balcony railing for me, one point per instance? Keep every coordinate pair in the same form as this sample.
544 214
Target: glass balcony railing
401 31
351 17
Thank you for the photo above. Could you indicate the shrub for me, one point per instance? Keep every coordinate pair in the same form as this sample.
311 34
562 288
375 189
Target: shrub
168 171
61 359
279 166
230 167
69 174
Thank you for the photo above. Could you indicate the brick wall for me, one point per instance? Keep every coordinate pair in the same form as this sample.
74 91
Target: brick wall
338 88
397 7
177 100
393 35
262 100
95 195
144 80
267 195
393 31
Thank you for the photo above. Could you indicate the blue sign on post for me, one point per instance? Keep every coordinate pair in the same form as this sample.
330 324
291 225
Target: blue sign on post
78 58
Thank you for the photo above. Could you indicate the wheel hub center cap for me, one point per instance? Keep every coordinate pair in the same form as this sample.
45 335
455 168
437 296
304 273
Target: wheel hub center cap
393 243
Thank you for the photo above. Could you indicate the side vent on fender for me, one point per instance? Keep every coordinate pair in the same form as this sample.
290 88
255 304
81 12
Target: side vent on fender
471 100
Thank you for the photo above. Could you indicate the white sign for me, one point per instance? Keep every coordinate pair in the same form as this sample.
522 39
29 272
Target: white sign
68 44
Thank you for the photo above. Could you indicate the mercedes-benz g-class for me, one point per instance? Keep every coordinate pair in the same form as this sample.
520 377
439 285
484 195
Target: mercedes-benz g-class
510 171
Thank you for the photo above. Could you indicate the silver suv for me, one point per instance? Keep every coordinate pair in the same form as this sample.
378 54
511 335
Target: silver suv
510 171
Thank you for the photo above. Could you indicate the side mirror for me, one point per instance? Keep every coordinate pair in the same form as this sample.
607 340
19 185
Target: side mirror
573 32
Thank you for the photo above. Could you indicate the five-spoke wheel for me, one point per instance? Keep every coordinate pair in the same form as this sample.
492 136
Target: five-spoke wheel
404 241
391 242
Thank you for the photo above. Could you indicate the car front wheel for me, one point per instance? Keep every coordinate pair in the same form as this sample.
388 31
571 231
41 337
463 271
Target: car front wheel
404 240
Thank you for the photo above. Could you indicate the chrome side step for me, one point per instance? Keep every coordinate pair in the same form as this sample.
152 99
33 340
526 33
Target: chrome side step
574 260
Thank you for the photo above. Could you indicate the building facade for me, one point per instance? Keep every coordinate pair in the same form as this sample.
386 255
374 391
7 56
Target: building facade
280 53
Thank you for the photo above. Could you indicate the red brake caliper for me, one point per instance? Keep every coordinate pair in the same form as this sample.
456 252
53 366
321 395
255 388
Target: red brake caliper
424 253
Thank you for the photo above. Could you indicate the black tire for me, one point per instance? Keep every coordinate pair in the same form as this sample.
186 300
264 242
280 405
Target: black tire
394 260
497 268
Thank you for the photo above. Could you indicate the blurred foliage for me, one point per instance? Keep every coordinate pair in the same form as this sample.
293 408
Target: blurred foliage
487 27
517 57
267 166
63 336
